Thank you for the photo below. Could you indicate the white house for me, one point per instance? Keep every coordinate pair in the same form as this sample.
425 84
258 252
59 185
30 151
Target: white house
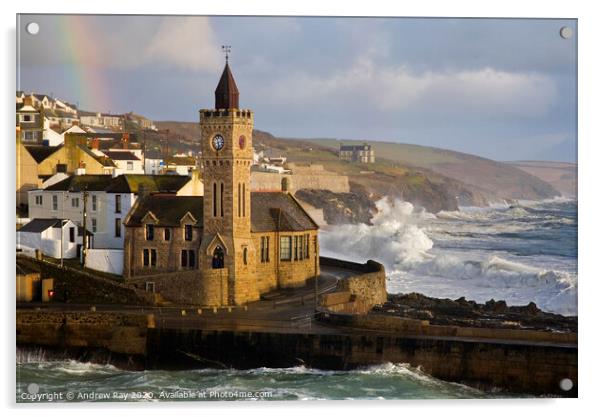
126 160
46 235
108 200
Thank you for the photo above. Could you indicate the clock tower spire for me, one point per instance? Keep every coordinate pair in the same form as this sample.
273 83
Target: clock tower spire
227 257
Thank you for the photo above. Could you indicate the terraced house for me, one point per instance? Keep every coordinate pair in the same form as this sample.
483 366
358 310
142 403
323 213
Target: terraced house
230 245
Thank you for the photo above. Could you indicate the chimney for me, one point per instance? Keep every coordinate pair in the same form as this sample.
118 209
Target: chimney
143 191
95 143
74 122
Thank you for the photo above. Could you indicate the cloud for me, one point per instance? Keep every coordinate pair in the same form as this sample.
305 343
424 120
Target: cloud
186 43
485 92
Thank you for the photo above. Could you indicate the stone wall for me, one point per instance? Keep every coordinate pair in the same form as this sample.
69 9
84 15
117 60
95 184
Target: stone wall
406 326
76 286
310 177
367 287
118 333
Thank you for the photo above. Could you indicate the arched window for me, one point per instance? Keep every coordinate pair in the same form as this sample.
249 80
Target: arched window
218 258
214 199
221 199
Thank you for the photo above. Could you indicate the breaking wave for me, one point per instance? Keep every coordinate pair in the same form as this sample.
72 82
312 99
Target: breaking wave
509 253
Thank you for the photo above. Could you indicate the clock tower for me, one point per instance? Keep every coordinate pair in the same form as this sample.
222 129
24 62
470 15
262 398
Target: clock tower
227 254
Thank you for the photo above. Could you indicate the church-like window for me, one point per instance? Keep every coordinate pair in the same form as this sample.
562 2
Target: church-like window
217 261
188 232
221 199
214 199
239 199
150 232
244 200
244 256
285 248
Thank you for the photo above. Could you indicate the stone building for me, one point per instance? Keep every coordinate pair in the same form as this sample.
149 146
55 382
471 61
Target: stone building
357 153
231 245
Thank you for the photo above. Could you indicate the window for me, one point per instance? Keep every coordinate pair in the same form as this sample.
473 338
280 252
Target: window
150 232
221 199
39 200
307 246
244 199
153 257
217 261
130 166
117 203
150 286
188 232
27 118
55 202
117 227
191 259
296 251
94 203
214 199
167 234
285 248
244 256
265 249
146 257
61 168
239 199
184 260
75 202
72 234
94 225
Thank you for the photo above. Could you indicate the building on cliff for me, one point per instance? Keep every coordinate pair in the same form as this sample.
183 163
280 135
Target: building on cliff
357 153
231 245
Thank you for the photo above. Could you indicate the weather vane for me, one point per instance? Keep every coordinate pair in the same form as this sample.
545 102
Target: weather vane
226 50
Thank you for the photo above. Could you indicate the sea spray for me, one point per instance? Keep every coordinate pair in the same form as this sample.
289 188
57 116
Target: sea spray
517 253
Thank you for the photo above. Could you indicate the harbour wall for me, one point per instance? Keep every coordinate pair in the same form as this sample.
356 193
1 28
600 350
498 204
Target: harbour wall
529 367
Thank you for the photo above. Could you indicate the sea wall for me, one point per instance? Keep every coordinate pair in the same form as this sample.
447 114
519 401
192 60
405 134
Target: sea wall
413 327
117 333
359 292
515 367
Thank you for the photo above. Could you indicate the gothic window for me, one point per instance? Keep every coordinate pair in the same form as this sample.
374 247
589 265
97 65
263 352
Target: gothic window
244 200
239 199
150 232
188 232
214 199
218 258
221 199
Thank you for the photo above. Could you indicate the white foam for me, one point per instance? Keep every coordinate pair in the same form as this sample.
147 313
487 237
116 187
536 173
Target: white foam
402 240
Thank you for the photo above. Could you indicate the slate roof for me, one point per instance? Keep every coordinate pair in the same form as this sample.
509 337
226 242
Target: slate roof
129 183
121 155
272 211
226 93
169 209
81 182
180 160
41 152
39 225
103 160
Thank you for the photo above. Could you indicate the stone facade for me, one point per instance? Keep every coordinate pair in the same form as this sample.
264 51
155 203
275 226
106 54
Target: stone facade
233 263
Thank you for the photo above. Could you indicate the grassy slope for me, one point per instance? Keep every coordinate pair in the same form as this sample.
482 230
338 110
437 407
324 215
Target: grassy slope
501 179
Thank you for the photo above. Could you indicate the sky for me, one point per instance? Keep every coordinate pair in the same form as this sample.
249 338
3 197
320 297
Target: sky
504 89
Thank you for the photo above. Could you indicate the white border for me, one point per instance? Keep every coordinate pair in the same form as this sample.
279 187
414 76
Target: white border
590 72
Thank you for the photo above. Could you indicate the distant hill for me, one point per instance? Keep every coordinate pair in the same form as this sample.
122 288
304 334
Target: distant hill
561 175
490 177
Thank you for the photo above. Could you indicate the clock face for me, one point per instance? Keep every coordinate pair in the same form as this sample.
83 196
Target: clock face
242 141
217 142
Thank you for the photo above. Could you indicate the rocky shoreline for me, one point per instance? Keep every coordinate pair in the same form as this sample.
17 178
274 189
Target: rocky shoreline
468 313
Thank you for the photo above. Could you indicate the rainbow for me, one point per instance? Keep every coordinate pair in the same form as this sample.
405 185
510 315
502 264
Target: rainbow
79 43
